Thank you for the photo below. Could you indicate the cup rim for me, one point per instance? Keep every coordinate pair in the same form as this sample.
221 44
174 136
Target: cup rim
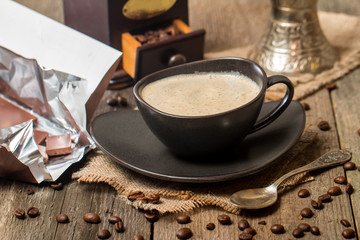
143 81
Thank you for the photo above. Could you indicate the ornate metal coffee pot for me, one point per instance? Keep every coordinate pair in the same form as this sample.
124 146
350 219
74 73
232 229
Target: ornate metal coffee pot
294 42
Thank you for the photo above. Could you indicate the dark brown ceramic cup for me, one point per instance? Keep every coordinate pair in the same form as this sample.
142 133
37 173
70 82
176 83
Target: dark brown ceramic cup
205 135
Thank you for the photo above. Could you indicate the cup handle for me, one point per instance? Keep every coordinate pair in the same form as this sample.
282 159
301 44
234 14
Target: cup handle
263 122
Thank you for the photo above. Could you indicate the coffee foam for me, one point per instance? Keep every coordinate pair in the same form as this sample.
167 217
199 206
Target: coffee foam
200 94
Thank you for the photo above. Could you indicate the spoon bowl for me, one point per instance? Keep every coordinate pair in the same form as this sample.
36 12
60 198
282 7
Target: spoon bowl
258 198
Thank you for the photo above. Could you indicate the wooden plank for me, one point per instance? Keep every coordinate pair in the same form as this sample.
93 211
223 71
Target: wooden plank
346 102
287 209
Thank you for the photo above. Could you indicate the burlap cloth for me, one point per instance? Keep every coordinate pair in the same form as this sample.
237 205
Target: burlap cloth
233 34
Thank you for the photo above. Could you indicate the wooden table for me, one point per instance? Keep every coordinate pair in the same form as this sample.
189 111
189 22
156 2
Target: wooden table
339 107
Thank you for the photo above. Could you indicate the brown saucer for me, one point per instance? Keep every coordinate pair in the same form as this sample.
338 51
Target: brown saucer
124 136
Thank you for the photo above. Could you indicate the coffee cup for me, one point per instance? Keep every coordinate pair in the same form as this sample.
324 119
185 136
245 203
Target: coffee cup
188 130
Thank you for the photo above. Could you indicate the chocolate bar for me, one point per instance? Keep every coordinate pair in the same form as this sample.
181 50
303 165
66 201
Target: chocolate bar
58 145
40 136
12 115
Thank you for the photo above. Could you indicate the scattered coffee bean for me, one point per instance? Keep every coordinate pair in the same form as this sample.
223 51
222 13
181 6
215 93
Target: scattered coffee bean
33 212
263 222
298 233
224 219
316 204
138 237
306 106
349 189
345 223
62 218
325 198
331 86
250 230
91 218
210 226
114 219
103 234
324 125
334 191
154 198
184 233
183 219
119 227
245 236
243 223
306 213
304 226
315 230
19 213
358 131
340 180
112 102
135 195
30 191
349 166
348 233
152 216
303 193
277 229
122 101
57 186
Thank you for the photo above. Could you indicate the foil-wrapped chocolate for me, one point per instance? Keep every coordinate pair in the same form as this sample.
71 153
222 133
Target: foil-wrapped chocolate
49 102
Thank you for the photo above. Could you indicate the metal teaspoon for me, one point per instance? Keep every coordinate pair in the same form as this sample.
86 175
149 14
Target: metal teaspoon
257 198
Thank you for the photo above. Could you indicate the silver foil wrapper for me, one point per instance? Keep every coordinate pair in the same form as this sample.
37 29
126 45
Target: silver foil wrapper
57 99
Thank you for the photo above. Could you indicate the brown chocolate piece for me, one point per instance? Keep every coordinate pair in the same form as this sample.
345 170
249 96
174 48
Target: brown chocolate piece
42 150
12 115
58 145
40 136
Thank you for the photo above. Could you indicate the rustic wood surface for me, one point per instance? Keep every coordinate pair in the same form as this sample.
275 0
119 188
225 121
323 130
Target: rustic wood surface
340 107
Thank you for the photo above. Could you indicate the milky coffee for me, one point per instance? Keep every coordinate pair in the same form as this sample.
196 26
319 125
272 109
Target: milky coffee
200 94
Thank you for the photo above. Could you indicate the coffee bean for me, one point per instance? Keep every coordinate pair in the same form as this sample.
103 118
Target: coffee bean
277 229
304 226
334 191
263 222
114 219
315 230
183 219
112 102
138 237
348 233
19 213
306 213
30 191
303 193
345 223
103 234
331 86
250 230
210 226
325 198
119 226
92 218
152 216
324 125
224 219
349 189
62 218
306 106
154 198
298 233
122 101
33 212
340 180
349 166
243 223
358 131
245 236
135 195
57 186
316 204
184 233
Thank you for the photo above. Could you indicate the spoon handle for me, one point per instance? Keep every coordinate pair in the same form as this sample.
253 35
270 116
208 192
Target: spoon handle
329 159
